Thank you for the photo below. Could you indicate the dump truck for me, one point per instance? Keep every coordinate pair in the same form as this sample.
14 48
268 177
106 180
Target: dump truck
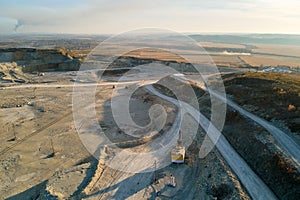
178 152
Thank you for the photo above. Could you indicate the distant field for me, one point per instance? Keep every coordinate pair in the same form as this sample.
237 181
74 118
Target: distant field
220 45
257 60
287 50
227 60
194 57
219 59
155 54
262 54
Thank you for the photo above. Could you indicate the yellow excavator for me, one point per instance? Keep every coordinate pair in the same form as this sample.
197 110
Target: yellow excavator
178 152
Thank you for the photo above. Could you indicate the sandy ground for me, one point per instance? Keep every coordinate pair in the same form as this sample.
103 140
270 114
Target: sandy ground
41 115
206 173
25 162
29 170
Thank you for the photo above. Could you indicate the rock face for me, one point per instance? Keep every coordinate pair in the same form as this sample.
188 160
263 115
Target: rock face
39 59
65 184
11 72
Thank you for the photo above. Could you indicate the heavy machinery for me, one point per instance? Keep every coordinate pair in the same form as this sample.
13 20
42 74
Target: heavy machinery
178 152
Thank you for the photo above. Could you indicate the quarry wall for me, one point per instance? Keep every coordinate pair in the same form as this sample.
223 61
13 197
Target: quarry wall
39 59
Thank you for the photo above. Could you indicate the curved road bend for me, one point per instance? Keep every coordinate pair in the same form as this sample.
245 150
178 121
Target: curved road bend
253 184
285 141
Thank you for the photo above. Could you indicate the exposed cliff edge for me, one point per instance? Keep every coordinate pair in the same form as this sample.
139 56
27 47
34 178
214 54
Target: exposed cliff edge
45 60
32 59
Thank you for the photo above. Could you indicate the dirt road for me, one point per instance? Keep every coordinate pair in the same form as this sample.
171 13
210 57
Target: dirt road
253 184
285 141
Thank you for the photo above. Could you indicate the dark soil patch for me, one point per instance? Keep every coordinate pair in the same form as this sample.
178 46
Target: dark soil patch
274 170
221 191
272 96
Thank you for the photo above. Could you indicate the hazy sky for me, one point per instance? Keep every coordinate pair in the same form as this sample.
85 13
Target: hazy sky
115 16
